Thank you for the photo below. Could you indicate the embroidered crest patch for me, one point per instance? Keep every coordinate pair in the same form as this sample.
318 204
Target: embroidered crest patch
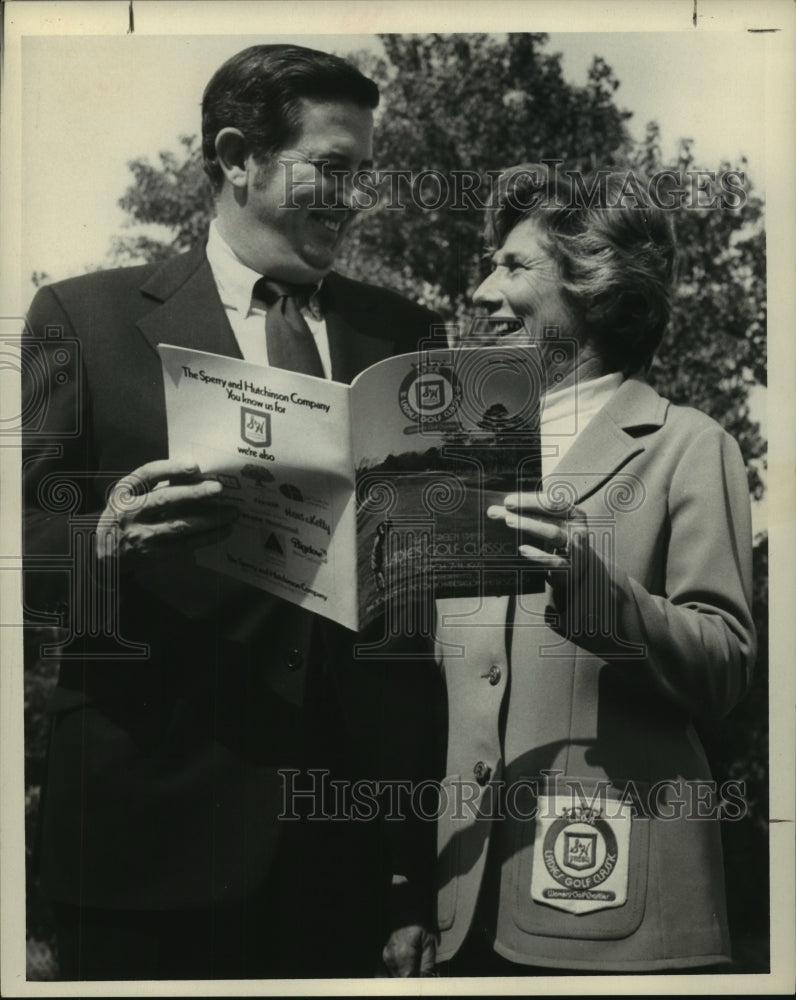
580 860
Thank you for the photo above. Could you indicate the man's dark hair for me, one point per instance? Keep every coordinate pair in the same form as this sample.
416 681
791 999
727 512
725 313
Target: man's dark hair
260 90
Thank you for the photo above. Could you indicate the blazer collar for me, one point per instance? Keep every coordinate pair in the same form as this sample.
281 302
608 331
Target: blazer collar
611 438
190 314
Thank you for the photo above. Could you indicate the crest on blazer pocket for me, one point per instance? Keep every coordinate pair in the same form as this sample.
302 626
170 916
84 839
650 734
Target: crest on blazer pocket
581 854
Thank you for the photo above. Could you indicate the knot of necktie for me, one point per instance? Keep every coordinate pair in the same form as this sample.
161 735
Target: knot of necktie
269 292
289 340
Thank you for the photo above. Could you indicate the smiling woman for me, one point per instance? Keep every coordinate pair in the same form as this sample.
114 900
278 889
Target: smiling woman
525 285
597 268
571 712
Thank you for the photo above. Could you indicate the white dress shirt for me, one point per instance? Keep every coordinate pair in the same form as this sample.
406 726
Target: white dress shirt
235 282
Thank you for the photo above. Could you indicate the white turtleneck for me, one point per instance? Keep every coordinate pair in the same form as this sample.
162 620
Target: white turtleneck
566 412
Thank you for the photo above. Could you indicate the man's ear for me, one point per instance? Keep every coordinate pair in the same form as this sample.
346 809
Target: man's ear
232 155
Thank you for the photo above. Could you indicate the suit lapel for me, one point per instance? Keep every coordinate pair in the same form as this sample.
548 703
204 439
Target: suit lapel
605 446
191 314
352 351
349 327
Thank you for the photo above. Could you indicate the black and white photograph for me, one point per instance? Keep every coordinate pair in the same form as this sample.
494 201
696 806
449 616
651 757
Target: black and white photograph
397 407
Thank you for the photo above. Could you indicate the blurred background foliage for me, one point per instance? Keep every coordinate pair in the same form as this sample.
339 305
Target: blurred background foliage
482 103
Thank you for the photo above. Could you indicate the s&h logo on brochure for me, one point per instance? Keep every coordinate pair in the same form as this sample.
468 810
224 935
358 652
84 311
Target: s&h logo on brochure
255 427
430 394
581 858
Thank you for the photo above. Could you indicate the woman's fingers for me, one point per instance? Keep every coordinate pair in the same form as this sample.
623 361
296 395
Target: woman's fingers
550 532
548 560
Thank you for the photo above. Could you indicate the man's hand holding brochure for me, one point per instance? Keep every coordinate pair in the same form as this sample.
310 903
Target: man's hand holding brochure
353 496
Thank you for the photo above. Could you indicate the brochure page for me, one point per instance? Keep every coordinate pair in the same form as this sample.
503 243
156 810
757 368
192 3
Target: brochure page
280 444
438 438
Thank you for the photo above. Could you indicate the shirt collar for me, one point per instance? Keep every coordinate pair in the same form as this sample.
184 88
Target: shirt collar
235 280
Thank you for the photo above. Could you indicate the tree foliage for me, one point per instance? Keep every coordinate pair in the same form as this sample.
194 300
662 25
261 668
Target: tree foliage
453 103
173 202
714 352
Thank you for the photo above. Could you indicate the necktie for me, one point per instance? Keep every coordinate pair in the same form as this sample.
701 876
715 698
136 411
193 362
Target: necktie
288 338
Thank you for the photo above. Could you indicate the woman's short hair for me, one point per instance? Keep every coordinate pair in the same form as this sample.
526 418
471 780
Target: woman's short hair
614 247
260 89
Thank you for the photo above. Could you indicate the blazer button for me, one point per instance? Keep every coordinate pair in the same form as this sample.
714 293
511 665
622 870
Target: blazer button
494 674
295 659
482 772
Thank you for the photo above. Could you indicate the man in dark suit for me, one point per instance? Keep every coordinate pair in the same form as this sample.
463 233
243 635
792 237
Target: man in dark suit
182 696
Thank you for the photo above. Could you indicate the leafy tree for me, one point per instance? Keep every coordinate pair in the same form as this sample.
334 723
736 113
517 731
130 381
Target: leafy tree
173 202
714 352
479 103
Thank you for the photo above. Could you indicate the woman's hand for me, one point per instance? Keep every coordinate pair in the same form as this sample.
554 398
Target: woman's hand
559 539
551 531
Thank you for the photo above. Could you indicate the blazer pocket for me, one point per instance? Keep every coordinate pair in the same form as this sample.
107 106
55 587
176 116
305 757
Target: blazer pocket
580 864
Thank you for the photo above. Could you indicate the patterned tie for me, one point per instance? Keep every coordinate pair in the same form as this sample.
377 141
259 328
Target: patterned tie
289 341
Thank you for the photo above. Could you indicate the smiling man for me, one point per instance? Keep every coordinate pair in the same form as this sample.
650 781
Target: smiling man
162 849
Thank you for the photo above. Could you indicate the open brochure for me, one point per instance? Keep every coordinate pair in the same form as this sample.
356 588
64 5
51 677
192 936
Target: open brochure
351 497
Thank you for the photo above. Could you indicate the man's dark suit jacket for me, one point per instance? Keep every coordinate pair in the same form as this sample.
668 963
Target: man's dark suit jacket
162 788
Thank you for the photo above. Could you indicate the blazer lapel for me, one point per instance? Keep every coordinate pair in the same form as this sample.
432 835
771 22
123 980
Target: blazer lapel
605 445
191 314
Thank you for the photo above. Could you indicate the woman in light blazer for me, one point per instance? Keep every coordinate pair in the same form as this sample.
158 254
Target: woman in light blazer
580 827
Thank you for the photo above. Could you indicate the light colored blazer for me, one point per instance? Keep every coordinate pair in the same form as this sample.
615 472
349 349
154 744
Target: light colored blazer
552 734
